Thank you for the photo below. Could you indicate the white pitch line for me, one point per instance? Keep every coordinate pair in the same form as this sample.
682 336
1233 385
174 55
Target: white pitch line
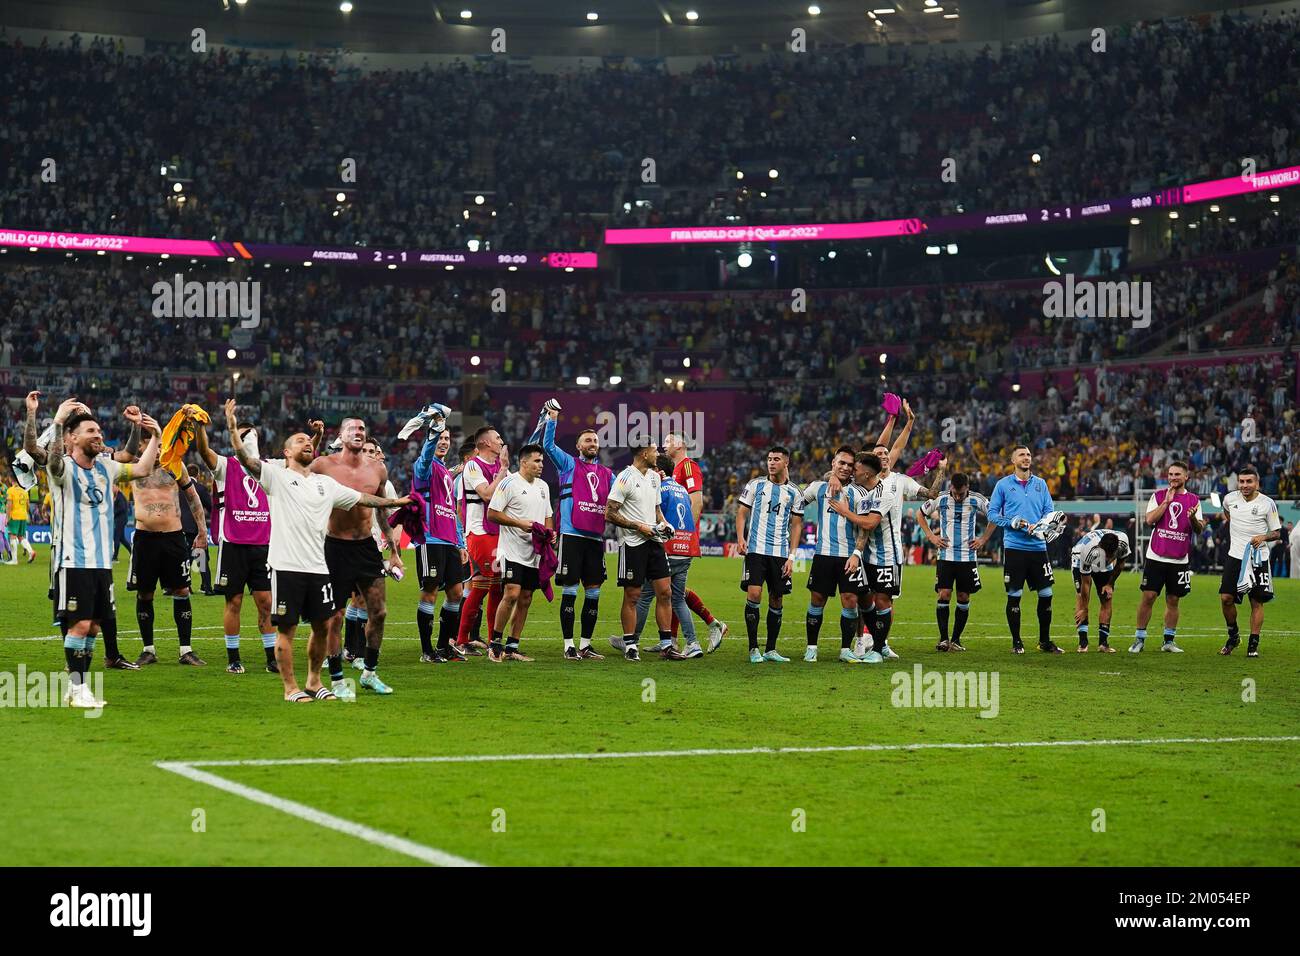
725 752
379 838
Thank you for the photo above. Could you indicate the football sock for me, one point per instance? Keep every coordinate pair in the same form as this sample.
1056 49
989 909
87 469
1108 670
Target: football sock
424 624
1103 634
1044 619
773 627
567 602
448 621
108 629
232 648
697 607
144 617
941 615
959 621
813 623
1013 616
590 614
183 615
848 626
751 623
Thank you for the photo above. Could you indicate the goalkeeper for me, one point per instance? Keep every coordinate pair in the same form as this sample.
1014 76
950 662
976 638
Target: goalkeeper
634 508
1022 507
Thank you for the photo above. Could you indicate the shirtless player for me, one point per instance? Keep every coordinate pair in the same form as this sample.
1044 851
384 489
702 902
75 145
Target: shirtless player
352 555
159 553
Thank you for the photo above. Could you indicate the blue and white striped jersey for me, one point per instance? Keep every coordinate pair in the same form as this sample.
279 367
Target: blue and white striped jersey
835 533
957 522
1086 556
884 544
771 506
85 505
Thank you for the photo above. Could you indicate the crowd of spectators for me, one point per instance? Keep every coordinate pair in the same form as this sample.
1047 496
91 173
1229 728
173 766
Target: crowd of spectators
261 145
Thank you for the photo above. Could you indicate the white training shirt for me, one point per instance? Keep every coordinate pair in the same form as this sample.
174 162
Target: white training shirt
1086 556
638 497
517 497
1247 519
300 514
899 488
475 508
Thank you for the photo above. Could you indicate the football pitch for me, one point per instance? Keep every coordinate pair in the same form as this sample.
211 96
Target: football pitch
1083 759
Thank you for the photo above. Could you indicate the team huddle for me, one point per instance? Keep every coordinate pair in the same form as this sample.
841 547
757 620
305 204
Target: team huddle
305 535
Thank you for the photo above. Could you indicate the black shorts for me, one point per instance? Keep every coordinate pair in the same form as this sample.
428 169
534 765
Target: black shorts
827 576
1158 575
960 576
84 594
521 574
639 563
1099 580
437 566
242 566
582 561
1262 591
301 597
353 565
1020 566
764 570
159 556
884 579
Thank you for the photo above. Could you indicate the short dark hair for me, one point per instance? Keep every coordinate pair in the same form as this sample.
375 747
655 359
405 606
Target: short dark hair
1110 543
75 420
466 448
868 460
1020 446
959 479
779 449
844 450
585 430
240 426
1178 463
478 435
530 448
1247 470
664 464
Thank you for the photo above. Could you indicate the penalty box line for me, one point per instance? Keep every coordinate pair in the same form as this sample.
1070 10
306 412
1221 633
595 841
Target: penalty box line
427 854
301 811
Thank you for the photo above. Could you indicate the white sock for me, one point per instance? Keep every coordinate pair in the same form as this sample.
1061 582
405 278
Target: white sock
185 649
148 649
568 643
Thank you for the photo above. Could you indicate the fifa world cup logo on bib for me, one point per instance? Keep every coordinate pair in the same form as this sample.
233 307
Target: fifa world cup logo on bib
1175 512
446 485
250 489
593 482
681 515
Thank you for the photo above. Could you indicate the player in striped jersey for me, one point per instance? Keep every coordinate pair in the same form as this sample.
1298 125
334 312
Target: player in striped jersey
957 510
768 522
36 448
84 480
1097 559
835 537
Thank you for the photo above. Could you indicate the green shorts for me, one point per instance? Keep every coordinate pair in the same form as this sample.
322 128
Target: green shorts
18 528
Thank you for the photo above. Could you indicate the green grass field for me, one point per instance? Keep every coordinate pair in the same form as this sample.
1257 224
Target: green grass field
1204 801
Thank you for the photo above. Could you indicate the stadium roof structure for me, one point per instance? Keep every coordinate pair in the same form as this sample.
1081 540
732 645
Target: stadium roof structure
637 28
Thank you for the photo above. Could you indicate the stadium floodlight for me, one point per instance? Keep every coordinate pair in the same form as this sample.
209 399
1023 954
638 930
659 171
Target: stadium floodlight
242 3
307 263
479 200
1230 219
880 10
616 380
744 260
593 17
884 357
1051 266
931 3
686 362
740 174
681 383
346 6
1015 387
932 250
584 380
668 381
932 9
831 254
235 376
1274 197
178 187
467 14
162 170
473 245
449 268
1173 214
772 174
1214 207
952 248
230 258
692 15
512 268
772 257
1036 158
101 252
340 197
1135 221
814 11
166 255
474 360
568 268
231 353
951 16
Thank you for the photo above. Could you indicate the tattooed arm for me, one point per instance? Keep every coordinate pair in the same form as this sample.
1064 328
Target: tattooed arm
251 465
196 509
614 515
56 456
29 431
